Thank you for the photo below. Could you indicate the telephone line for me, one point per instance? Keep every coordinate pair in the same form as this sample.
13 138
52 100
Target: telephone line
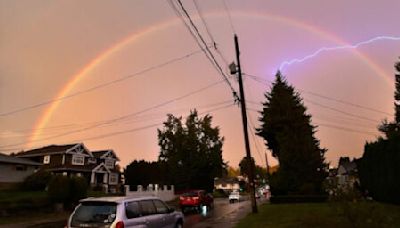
121 132
257 79
207 51
126 116
100 85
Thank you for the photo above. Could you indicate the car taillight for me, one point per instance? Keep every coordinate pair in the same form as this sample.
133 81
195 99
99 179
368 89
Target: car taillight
195 198
120 224
181 198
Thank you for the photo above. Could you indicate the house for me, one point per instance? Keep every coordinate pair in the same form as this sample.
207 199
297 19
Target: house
226 184
99 168
347 173
14 170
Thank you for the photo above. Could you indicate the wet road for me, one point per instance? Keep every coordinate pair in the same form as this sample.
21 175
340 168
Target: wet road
224 214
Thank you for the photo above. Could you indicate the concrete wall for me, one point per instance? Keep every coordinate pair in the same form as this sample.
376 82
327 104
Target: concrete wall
152 190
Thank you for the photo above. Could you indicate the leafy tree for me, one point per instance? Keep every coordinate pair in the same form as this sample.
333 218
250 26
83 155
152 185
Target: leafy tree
145 173
378 169
260 173
232 172
288 133
192 151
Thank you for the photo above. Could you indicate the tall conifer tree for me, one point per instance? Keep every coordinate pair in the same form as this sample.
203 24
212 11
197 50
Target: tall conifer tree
288 133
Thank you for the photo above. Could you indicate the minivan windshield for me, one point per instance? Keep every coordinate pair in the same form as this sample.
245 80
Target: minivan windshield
94 214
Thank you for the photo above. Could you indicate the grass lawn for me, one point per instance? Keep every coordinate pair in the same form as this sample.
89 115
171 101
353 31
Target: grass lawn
359 214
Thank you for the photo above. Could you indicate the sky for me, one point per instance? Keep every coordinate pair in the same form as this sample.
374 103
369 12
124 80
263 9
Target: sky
107 73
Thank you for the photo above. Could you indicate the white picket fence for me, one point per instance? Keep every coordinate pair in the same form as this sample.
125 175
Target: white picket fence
152 190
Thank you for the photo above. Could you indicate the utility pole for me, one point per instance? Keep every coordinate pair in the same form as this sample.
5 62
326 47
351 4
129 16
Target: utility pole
244 120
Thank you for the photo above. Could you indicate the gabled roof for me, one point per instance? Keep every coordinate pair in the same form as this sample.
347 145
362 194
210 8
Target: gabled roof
47 150
14 160
104 154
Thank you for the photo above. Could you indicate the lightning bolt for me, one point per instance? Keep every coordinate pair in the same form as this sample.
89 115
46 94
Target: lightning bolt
326 49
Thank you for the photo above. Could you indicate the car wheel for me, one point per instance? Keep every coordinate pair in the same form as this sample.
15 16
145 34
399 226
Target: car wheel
179 225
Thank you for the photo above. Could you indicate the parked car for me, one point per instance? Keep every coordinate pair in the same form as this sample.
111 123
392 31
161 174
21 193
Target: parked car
121 212
196 199
234 197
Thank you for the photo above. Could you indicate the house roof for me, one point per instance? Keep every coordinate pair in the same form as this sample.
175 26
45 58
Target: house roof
102 153
14 160
52 149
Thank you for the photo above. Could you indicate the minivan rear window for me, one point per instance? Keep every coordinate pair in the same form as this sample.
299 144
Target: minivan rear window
94 214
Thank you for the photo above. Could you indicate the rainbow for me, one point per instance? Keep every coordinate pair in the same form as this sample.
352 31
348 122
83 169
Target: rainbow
108 52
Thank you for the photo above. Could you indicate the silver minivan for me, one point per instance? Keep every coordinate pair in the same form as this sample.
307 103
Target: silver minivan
121 212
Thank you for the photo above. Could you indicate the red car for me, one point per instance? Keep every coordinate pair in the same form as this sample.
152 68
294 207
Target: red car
196 199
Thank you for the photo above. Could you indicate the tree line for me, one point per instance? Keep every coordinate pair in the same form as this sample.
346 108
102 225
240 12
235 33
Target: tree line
191 151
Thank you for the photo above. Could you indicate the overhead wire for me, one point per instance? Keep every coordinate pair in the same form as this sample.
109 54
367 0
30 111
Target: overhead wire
111 134
99 86
229 16
124 116
215 46
259 80
201 42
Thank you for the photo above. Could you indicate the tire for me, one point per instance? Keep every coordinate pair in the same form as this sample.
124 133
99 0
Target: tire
179 224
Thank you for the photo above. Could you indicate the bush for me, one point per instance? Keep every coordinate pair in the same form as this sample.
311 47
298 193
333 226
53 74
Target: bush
67 190
37 181
59 189
78 189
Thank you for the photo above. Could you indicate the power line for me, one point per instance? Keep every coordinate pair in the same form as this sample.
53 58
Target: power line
229 16
206 50
100 85
209 33
333 126
124 116
154 116
340 111
111 134
258 79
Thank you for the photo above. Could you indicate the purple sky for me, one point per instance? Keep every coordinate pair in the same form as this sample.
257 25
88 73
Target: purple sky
45 44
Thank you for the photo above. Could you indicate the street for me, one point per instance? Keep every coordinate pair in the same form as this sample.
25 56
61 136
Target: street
224 214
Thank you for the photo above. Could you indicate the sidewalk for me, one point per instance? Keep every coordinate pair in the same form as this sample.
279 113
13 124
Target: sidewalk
53 220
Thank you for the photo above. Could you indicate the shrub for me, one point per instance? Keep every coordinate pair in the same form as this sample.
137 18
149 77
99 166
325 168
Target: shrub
78 189
37 181
59 189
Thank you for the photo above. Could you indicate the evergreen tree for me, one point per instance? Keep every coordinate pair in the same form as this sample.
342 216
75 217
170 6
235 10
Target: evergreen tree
288 133
192 153
392 129
379 166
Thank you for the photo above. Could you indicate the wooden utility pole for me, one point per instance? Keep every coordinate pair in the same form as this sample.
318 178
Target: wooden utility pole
246 135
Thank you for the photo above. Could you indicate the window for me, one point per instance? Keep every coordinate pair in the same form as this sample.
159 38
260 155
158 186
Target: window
160 207
46 159
147 207
109 163
132 210
113 178
78 159
94 214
